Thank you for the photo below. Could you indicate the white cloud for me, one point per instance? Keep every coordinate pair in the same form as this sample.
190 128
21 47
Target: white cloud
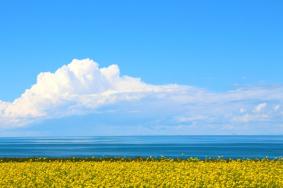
260 107
242 110
78 87
247 118
185 119
83 87
276 107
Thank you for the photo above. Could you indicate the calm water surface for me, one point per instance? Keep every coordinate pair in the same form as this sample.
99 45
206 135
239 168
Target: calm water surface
145 146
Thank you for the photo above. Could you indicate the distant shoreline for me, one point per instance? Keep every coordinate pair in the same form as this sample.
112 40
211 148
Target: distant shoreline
115 159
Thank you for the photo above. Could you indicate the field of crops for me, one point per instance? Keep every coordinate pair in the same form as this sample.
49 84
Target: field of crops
139 173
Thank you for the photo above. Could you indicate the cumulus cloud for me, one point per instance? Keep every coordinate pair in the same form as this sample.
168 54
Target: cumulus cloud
83 87
79 87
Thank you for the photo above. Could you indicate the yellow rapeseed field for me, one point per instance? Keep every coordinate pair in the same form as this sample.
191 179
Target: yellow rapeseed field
143 173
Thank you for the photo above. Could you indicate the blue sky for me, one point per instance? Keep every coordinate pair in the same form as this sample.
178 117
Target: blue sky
218 46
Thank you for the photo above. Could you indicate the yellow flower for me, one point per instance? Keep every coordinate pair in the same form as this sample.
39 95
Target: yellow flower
142 173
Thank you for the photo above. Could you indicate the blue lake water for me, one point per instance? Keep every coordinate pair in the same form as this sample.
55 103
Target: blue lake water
144 146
